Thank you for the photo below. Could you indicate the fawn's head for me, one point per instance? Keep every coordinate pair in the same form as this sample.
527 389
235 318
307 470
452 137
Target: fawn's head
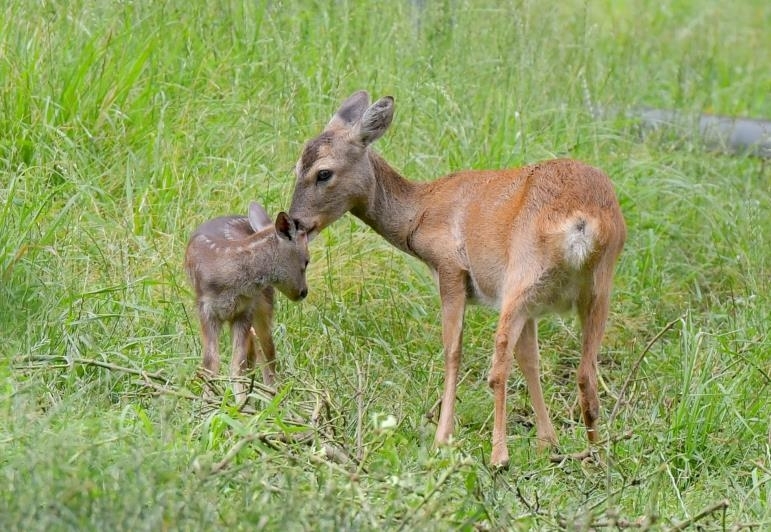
334 173
291 258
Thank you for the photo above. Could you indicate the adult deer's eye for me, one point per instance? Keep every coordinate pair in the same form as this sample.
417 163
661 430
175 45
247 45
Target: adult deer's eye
323 175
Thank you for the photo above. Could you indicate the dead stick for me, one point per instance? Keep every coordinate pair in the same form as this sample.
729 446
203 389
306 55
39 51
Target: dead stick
97 363
720 505
586 453
441 481
177 393
359 413
232 453
636 367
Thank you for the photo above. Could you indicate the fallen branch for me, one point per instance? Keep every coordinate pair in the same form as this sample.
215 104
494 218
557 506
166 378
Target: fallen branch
636 367
233 452
716 507
213 383
589 452
611 521
95 363
165 390
436 487
159 384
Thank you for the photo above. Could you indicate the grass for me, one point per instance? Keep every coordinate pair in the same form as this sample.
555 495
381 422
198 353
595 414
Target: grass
126 124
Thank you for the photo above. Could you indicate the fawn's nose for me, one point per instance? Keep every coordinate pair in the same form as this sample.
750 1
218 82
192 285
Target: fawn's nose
303 293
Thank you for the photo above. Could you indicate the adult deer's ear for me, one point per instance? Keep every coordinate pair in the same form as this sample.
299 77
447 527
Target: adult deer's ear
374 122
258 217
350 111
285 226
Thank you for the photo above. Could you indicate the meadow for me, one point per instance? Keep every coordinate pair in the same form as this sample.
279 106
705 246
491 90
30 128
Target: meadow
124 125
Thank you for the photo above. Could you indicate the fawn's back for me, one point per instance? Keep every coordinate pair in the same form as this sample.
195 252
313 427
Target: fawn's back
231 260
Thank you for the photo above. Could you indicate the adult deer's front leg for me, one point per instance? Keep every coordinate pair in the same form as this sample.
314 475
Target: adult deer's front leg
452 290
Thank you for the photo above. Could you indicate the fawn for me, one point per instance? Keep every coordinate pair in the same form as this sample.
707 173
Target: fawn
233 263
530 240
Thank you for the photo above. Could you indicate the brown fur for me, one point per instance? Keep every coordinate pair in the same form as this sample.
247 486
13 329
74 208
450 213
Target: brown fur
233 264
527 241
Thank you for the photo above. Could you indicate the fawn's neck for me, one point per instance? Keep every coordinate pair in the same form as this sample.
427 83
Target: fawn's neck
257 255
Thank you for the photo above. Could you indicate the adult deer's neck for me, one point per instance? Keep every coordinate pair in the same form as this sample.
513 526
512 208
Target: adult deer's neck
394 206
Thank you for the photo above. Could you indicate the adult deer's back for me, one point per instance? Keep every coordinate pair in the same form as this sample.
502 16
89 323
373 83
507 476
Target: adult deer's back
526 241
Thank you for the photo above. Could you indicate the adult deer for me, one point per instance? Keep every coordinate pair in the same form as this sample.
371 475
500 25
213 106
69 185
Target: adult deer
528 240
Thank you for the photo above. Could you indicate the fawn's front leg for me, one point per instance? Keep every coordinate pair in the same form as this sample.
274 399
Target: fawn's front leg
210 331
243 356
263 324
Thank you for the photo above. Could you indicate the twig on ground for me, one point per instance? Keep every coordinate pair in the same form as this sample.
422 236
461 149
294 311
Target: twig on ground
337 454
359 413
439 483
587 453
165 390
95 363
712 508
232 453
532 508
159 384
209 382
642 523
636 367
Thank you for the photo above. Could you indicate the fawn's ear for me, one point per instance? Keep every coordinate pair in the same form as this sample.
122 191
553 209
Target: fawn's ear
374 122
285 227
258 218
350 111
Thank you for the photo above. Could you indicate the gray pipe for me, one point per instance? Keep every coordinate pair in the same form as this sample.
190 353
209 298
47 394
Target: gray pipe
734 135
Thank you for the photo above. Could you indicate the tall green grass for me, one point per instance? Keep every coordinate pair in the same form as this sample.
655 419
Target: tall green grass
126 124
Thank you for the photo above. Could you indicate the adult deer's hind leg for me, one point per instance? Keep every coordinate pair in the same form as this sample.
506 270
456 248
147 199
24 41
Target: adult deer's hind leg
528 359
593 306
510 324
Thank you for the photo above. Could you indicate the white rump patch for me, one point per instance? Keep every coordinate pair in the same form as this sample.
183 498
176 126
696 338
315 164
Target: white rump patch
579 240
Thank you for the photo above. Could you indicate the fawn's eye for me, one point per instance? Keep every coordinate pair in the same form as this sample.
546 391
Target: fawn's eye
323 175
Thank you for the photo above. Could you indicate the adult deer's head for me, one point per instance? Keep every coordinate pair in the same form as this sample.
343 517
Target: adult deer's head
335 173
